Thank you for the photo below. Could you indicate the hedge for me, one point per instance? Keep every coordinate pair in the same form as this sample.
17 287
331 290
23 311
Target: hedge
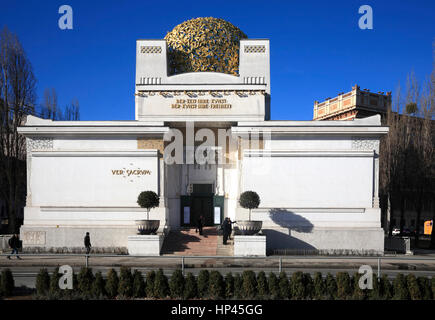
212 285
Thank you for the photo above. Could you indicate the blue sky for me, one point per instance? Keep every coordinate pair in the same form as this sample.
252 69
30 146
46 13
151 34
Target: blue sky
317 48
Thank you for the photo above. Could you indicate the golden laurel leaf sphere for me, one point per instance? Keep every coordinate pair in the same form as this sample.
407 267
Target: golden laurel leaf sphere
204 44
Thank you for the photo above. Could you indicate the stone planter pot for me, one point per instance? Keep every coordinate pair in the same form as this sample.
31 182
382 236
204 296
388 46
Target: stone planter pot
247 227
147 226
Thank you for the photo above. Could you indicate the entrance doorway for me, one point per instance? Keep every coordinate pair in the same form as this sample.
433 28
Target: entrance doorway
202 201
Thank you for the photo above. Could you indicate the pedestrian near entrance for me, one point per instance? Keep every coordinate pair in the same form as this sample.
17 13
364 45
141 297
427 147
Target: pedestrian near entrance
230 227
200 224
88 243
226 226
14 243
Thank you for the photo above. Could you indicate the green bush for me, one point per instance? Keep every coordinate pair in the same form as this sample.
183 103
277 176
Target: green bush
385 288
358 293
54 282
433 286
425 289
149 284
262 285
203 285
319 290
216 285
238 283
85 279
413 287
273 282
98 286
125 286
249 284
309 286
7 283
176 284
344 287
190 287
331 287
229 286
112 284
161 286
284 286
400 288
138 284
297 286
42 282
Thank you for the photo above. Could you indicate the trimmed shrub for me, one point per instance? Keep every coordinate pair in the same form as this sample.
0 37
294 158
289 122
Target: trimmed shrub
386 288
319 290
54 282
7 283
203 278
297 286
262 285
309 286
161 286
249 284
284 286
229 286
138 284
149 284
112 284
331 287
344 288
400 288
425 289
273 282
238 283
433 286
42 282
98 286
216 285
125 286
85 279
190 287
358 293
413 287
176 284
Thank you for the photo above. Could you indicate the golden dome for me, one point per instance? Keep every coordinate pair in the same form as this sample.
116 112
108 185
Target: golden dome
204 44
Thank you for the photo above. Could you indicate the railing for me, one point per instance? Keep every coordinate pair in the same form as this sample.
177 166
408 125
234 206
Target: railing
271 259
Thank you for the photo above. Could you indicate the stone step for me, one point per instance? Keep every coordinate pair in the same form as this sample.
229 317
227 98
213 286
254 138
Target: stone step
189 242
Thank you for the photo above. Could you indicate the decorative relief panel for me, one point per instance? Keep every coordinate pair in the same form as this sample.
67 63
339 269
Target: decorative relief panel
34 237
150 49
361 143
255 49
39 144
147 144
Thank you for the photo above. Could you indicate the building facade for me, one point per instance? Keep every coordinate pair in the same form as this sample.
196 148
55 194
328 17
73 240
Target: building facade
198 140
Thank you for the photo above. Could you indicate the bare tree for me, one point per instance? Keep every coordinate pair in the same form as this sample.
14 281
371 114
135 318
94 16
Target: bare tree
17 99
72 111
50 108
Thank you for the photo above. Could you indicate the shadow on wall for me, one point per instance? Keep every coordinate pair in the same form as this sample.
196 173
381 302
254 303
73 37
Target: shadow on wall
292 222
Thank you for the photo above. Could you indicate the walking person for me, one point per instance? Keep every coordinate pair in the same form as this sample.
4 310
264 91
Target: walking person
200 224
14 243
88 243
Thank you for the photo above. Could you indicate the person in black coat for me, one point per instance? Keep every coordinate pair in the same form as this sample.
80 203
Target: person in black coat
88 243
200 224
14 243
226 229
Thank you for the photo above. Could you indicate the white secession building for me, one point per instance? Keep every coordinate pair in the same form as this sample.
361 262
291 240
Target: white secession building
318 181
